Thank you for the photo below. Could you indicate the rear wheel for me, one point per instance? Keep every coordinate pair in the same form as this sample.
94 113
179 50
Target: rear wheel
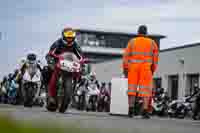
64 100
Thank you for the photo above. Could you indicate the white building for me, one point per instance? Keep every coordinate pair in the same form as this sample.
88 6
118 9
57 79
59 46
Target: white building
178 69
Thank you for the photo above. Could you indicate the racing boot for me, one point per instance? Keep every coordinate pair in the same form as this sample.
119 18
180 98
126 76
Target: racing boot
130 112
146 115
51 104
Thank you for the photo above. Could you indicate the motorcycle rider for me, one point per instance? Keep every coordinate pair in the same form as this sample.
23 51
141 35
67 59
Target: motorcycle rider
81 92
93 81
93 91
64 44
10 78
12 91
30 59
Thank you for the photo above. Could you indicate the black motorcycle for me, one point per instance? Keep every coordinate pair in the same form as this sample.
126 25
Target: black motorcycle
160 104
29 88
92 104
103 103
180 108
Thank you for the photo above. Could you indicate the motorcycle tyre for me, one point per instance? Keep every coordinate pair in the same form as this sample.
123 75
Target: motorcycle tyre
28 97
65 100
50 107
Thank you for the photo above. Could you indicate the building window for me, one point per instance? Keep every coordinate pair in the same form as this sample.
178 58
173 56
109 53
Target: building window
193 82
157 83
173 86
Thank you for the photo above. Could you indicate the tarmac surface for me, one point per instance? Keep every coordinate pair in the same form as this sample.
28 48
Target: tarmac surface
103 121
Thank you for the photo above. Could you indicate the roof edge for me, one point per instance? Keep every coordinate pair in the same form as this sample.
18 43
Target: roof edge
181 47
115 32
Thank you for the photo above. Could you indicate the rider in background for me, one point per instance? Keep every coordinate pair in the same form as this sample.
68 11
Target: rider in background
64 44
30 59
93 80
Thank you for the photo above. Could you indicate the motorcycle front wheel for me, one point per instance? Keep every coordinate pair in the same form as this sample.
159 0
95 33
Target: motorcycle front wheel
64 100
51 107
28 97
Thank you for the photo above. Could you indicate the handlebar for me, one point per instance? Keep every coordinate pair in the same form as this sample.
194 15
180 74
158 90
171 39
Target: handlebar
82 60
52 53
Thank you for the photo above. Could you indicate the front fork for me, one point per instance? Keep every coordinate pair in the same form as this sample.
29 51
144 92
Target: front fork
36 96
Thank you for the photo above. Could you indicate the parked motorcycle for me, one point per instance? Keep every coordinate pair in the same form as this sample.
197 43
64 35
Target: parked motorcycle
179 108
70 70
195 98
160 105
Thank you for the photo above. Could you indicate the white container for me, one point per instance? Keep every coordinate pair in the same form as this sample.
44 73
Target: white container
119 97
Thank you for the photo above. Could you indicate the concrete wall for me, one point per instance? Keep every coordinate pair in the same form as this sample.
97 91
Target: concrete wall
105 71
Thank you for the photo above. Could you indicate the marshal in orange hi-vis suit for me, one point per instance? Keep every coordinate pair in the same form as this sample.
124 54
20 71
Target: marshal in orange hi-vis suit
140 60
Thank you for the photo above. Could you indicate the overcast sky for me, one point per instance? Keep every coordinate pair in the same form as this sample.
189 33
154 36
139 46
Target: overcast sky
28 25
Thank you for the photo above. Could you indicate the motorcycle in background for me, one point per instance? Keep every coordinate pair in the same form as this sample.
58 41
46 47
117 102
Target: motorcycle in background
104 101
81 97
160 104
180 108
92 97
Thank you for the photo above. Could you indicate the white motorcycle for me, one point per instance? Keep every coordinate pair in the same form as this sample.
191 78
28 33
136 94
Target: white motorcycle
180 108
31 83
92 97
160 105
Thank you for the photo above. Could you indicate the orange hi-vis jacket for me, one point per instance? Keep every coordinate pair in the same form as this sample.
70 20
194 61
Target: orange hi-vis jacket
140 59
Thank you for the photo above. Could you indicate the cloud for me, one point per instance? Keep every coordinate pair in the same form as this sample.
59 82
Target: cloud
34 25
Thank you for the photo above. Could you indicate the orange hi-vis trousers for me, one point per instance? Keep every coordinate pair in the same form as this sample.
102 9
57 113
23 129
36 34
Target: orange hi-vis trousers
140 80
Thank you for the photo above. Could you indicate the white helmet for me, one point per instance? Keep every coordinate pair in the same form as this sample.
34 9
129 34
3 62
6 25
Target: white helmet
93 75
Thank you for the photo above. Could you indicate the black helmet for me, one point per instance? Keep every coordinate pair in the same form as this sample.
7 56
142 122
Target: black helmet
162 90
5 78
31 58
10 75
103 84
142 30
16 71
